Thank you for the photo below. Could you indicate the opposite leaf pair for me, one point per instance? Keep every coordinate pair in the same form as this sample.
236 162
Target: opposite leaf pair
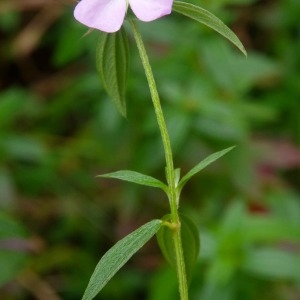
123 250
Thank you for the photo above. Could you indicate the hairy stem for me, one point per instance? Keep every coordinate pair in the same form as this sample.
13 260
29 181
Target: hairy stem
170 172
156 102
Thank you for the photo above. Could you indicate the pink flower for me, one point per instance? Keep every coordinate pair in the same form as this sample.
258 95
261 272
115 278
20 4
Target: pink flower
108 15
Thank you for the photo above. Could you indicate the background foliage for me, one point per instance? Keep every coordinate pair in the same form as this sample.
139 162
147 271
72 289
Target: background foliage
58 130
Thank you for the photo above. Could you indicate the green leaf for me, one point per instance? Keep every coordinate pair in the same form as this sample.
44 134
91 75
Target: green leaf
112 61
165 241
204 163
268 228
136 177
177 176
205 17
118 255
273 263
13 258
190 243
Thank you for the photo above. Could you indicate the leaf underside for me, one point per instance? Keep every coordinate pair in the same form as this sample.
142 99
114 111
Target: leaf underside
190 243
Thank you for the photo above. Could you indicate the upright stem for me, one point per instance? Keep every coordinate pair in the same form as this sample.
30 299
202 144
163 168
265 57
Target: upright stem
156 102
170 172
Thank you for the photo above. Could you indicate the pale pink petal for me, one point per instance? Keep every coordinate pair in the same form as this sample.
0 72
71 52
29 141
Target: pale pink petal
149 10
105 15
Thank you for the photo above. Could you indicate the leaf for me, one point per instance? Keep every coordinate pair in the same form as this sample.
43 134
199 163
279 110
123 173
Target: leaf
268 228
190 243
117 256
273 263
204 163
205 17
112 62
165 241
177 176
13 256
136 177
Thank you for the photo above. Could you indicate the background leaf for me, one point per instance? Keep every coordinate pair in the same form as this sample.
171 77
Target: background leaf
118 255
205 17
274 263
112 61
13 257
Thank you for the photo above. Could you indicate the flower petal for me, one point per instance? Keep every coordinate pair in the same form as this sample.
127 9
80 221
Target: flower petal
149 10
105 15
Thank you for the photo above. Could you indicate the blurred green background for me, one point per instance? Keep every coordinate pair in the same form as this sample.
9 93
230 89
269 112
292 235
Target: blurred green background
58 130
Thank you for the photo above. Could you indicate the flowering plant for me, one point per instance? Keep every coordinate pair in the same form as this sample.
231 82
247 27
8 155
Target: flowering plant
177 235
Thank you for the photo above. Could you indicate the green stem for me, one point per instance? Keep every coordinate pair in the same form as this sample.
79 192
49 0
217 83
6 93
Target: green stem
170 171
156 103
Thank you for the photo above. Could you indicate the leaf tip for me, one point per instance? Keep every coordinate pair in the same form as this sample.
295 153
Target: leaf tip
244 51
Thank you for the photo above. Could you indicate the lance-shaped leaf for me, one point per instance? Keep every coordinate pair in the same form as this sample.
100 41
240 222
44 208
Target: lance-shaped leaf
136 177
118 255
205 17
112 61
190 243
204 163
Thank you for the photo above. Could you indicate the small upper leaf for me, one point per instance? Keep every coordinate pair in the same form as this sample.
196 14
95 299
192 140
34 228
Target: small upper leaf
136 177
118 255
205 17
112 61
204 163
